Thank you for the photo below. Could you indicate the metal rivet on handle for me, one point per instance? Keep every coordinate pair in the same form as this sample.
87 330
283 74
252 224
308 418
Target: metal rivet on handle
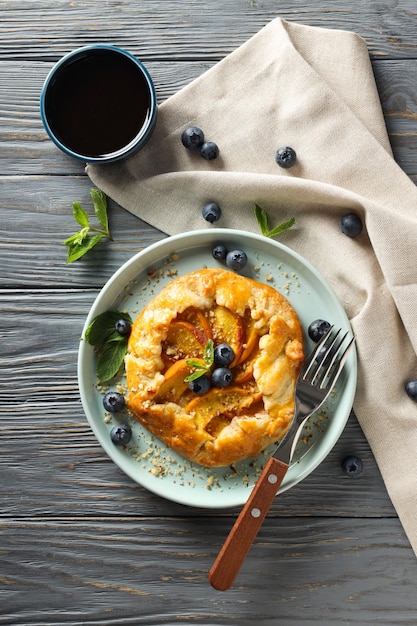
272 478
255 512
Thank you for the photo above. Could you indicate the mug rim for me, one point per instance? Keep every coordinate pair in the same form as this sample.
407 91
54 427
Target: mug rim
138 141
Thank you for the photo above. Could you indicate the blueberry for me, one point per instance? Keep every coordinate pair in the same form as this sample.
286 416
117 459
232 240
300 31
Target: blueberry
200 385
121 434
113 401
192 137
236 259
123 327
352 466
219 252
209 150
221 377
411 389
285 157
318 329
351 225
223 354
211 212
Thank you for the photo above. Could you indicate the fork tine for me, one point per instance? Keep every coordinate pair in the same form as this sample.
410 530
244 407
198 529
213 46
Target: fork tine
311 360
340 363
327 360
326 368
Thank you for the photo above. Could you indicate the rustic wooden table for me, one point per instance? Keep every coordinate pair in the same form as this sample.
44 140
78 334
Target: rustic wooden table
81 543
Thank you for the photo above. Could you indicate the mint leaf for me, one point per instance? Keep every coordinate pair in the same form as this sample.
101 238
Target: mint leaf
110 360
115 338
281 227
77 250
262 219
100 208
79 214
102 328
197 364
111 346
209 353
80 243
201 368
195 375
77 238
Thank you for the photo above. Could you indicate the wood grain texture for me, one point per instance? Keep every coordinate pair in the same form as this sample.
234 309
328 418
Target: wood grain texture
48 29
80 542
135 572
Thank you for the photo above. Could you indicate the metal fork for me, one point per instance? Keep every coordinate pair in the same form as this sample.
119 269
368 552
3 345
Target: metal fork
315 382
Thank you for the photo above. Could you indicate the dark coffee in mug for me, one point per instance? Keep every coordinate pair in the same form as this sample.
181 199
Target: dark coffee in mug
98 103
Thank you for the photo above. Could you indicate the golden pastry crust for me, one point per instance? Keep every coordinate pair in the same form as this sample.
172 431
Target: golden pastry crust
225 425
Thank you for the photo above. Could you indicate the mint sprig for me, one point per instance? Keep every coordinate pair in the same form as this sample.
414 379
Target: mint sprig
111 346
263 222
201 368
82 241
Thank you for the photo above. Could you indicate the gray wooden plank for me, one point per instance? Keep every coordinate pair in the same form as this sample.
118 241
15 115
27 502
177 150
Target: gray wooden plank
316 571
50 28
27 149
399 103
36 217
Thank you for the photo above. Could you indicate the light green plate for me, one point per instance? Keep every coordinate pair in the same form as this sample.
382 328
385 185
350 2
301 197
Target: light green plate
147 460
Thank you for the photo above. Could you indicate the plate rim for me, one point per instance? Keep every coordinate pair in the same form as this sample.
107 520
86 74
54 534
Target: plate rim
146 254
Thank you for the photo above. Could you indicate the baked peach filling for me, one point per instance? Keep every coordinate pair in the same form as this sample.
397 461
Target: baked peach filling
170 337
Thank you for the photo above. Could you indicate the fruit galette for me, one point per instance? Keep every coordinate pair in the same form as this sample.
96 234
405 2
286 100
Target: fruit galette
241 344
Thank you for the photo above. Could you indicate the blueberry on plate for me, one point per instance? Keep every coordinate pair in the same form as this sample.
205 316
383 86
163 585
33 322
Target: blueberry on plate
192 137
219 252
113 401
223 354
285 157
236 259
411 389
351 225
209 150
123 327
318 329
352 466
221 377
200 385
121 434
211 212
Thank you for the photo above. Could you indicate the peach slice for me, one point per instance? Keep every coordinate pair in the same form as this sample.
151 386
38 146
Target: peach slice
216 425
174 385
228 328
184 341
197 319
243 373
251 341
221 402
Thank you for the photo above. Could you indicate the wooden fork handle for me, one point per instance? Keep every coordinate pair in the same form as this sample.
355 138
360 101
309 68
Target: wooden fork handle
247 525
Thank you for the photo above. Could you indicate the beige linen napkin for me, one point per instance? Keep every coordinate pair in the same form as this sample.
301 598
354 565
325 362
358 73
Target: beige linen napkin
312 89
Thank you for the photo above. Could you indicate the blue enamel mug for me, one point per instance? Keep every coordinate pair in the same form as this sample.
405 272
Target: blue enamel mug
98 104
